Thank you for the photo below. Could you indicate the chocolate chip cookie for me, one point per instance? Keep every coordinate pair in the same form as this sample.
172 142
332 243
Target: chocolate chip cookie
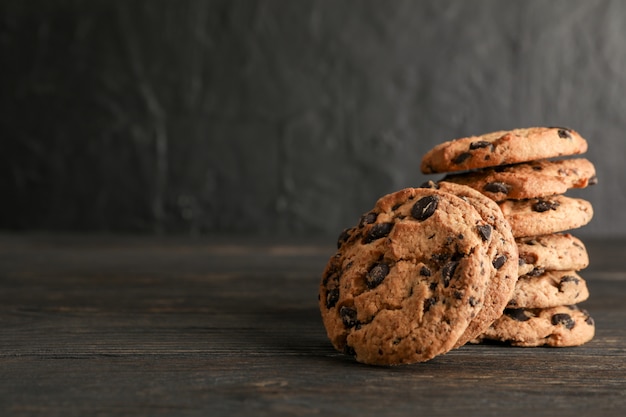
557 327
529 180
502 148
408 279
542 216
502 251
553 252
550 289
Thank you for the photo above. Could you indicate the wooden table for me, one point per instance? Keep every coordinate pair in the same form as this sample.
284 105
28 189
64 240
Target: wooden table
95 326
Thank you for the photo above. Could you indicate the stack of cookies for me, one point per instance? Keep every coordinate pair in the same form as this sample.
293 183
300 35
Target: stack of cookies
479 255
517 170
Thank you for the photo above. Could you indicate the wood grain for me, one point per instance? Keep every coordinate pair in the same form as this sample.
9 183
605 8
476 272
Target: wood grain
183 327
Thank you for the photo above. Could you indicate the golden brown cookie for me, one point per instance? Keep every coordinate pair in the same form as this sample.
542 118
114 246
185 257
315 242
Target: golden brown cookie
553 252
502 250
529 180
407 280
557 327
550 289
542 216
502 148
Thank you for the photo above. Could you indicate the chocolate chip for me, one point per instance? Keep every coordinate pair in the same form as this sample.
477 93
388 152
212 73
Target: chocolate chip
424 271
499 261
430 184
536 272
473 301
332 297
459 159
565 279
593 180
368 218
457 256
448 271
425 207
343 237
376 275
429 302
485 232
497 187
439 258
480 144
564 319
537 168
565 134
517 314
544 205
458 295
348 316
528 258
378 231
589 321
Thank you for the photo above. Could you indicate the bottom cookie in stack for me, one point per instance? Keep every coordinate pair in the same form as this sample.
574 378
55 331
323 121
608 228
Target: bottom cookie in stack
559 326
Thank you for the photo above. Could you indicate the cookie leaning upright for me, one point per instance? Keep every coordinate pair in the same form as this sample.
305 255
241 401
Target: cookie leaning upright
407 281
502 148
502 251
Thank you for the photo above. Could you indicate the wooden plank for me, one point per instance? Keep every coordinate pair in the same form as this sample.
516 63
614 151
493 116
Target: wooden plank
115 326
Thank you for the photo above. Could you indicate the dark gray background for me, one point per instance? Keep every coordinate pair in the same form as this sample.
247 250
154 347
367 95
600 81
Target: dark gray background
285 117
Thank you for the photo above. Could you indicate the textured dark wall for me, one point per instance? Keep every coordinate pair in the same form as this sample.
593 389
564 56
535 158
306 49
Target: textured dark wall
285 117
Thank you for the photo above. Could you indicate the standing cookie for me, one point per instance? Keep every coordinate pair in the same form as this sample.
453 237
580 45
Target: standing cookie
502 148
502 251
407 280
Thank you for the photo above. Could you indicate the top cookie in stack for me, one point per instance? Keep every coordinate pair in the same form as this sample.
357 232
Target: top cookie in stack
522 170
502 148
